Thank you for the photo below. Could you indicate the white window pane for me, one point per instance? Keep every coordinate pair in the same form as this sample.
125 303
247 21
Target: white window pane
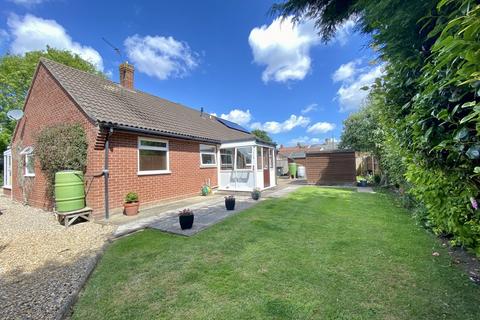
152 160
29 165
152 143
244 157
207 148
226 159
208 158
259 158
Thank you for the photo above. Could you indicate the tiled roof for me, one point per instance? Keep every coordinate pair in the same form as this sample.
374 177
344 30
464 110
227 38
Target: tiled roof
107 102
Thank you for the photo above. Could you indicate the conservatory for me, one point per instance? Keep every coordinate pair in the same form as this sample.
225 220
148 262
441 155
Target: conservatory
245 166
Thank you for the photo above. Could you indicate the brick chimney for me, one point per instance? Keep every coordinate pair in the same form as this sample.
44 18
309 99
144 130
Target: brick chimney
126 75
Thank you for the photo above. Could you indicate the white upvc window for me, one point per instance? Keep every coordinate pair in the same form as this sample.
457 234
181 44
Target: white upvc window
243 158
7 169
259 158
226 158
208 155
29 162
153 156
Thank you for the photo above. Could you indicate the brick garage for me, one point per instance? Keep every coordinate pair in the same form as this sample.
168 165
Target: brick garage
60 95
331 167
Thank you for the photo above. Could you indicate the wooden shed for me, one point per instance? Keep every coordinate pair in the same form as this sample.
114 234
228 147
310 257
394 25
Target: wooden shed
331 167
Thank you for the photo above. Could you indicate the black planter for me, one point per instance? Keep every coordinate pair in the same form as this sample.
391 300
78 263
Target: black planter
255 195
186 222
362 183
230 204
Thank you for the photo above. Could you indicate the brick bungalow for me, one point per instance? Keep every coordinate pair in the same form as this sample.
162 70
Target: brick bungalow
160 149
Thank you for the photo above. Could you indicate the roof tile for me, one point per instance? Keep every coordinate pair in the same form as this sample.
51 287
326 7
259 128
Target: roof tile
108 102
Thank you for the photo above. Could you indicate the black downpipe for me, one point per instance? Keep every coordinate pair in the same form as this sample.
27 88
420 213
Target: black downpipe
106 173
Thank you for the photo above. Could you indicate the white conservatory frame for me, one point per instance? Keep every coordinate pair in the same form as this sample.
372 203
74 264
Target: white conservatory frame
246 179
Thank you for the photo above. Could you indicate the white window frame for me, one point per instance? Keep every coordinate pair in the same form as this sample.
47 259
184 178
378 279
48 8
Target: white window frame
214 153
7 169
140 147
27 153
233 159
260 168
248 164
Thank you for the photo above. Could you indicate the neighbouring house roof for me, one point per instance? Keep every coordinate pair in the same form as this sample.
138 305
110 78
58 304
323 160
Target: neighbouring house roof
108 103
294 152
296 155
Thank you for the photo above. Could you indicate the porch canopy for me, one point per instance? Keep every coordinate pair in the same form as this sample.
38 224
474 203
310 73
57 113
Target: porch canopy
246 165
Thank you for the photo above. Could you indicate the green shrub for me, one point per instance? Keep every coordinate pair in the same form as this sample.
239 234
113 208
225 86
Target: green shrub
61 147
446 198
131 197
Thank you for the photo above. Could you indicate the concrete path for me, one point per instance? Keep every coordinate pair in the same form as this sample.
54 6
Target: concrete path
207 213
365 189
205 216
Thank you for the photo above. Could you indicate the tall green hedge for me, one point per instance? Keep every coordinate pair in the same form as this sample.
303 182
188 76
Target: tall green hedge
432 137
427 103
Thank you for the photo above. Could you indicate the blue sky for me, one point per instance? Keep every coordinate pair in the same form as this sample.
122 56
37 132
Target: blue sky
230 57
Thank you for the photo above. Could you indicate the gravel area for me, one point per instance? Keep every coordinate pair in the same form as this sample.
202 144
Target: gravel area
42 263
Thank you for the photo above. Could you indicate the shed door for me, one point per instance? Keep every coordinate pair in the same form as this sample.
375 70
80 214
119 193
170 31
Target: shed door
266 168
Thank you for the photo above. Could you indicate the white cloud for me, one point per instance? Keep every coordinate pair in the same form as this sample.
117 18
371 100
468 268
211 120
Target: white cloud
345 30
345 72
33 33
238 116
321 127
351 94
27 3
161 57
3 36
283 47
305 140
309 108
285 126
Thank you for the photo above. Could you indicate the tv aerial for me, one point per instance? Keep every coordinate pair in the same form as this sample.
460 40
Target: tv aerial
116 49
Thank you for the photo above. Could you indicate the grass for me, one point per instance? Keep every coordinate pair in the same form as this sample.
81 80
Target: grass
320 253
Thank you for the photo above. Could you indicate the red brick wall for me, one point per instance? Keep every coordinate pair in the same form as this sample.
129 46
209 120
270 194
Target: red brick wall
48 104
185 179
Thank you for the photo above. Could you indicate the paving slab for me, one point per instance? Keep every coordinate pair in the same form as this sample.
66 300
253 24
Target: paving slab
365 189
204 217
207 213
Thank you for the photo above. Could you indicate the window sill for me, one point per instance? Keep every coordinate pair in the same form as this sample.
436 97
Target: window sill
7 187
151 173
206 166
29 175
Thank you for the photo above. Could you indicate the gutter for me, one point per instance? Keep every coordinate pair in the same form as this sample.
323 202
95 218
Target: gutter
160 133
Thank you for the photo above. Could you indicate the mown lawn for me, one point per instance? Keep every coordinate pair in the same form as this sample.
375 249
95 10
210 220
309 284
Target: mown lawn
320 253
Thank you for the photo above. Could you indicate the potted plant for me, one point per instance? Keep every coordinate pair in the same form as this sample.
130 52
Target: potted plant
230 202
361 181
185 218
256 194
206 190
130 207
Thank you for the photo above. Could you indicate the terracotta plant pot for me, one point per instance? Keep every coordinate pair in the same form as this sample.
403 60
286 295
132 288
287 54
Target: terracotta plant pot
131 208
